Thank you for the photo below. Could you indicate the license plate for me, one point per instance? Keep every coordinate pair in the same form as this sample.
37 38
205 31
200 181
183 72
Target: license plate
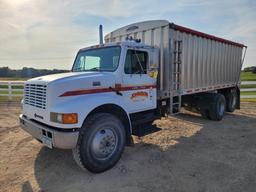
47 142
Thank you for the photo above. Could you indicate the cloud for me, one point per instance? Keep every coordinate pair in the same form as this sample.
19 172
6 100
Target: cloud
47 34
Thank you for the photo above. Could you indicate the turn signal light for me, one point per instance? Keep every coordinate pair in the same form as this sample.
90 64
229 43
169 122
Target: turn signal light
70 118
64 118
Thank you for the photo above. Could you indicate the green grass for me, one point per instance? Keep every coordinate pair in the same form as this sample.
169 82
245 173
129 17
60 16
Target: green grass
248 76
248 99
248 86
13 78
4 92
248 93
13 92
13 86
6 98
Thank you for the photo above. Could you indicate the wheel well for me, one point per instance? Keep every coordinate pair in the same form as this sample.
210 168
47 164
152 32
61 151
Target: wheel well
119 113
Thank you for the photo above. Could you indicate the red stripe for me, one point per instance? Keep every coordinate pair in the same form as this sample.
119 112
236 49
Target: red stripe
105 90
207 36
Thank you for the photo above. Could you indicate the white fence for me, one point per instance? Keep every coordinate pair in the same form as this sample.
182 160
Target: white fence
9 89
248 89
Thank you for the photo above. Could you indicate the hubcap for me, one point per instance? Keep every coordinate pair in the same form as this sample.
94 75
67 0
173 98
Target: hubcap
104 143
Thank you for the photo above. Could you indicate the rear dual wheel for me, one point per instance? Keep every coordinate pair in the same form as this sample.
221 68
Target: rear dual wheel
232 99
216 107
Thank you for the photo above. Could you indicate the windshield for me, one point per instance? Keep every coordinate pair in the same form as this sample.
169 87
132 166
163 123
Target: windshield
100 59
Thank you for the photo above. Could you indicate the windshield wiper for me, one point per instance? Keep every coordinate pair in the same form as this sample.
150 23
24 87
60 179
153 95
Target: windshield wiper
98 69
94 69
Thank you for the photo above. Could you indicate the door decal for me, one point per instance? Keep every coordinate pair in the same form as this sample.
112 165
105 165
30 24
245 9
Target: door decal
139 96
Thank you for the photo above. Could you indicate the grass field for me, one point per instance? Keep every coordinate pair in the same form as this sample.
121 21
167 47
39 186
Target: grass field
13 86
248 93
248 99
248 86
5 98
248 76
13 79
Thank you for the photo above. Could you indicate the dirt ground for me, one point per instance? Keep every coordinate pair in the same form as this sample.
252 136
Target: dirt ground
188 154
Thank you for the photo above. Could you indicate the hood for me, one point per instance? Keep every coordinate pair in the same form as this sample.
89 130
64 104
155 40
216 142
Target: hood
63 82
63 76
59 84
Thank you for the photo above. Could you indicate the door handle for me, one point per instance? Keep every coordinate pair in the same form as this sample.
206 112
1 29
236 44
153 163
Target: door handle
116 91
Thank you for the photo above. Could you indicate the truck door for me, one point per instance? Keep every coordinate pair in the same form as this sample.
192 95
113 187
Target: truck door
140 94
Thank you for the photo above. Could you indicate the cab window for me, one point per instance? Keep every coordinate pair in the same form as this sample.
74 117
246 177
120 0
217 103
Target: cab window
136 62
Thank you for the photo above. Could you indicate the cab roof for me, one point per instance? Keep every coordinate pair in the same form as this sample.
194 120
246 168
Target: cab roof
128 43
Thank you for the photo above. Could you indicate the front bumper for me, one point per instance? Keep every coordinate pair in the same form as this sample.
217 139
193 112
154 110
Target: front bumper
56 138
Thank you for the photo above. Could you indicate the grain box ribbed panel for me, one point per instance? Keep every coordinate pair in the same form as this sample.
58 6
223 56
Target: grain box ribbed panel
207 61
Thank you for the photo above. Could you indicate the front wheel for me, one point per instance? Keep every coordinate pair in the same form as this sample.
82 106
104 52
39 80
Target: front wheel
101 143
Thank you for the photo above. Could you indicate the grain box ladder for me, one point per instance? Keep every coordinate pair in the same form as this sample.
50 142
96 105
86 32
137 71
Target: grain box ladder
175 94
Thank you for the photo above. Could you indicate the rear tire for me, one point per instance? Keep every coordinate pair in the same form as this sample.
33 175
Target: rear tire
231 99
217 110
101 142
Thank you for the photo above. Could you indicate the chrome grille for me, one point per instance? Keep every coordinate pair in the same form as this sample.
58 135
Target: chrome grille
35 95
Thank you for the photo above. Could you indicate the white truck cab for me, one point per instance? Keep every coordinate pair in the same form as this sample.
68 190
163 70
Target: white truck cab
114 77
144 71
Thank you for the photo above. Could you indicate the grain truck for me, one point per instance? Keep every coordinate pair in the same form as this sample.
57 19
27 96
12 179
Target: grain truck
116 89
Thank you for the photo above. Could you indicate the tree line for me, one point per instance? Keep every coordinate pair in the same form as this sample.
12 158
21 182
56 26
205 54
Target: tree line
27 72
250 69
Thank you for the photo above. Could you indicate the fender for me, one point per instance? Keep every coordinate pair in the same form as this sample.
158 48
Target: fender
91 101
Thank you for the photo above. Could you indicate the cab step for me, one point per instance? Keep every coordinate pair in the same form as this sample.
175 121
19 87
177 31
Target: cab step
144 129
142 123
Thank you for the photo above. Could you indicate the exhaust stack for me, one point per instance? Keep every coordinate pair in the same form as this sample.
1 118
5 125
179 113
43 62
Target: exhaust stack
100 34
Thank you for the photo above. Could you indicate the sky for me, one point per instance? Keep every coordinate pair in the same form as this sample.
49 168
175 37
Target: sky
47 34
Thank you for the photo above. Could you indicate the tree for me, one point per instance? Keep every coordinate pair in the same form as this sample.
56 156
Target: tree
4 72
254 70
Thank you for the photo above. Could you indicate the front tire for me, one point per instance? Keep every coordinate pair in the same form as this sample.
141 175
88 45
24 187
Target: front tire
101 142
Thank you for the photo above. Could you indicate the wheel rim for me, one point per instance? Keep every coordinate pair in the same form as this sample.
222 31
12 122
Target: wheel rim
221 108
104 143
233 103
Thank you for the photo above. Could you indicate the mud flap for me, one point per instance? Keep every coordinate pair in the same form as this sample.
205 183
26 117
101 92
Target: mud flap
238 98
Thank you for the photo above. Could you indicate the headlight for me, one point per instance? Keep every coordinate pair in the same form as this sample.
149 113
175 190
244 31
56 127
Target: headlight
64 118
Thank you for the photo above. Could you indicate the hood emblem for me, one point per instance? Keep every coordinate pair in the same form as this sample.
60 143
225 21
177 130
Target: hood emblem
38 116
